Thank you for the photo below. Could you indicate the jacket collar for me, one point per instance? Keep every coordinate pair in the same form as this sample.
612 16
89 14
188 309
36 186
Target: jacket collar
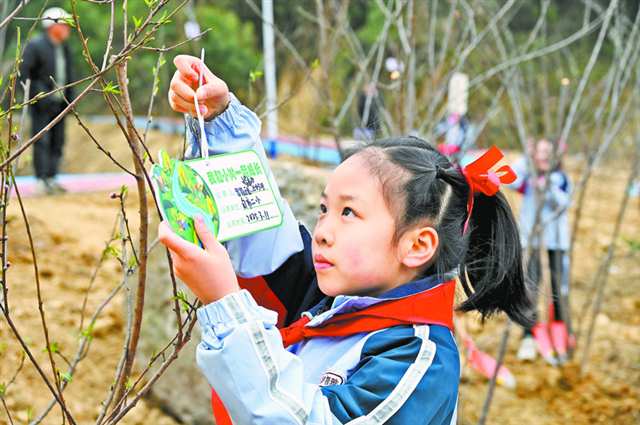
342 304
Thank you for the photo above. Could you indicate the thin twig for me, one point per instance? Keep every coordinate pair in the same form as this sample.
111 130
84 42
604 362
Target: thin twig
118 414
6 409
94 274
33 360
41 311
15 11
154 90
83 348
94 140
492 384
127 238
164 49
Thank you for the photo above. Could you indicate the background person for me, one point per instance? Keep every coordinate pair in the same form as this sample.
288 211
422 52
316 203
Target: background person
554 335
47 57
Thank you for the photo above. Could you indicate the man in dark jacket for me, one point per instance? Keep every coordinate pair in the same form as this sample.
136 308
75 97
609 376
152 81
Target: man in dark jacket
47 59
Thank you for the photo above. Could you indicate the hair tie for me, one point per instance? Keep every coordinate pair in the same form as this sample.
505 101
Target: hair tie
481 179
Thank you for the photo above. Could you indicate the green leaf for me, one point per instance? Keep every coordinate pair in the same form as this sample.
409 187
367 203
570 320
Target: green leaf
111 88
137 22
129 384
634 245
69 21
254 75
54 347
124 189
65 376
133 263
111 251
315 64
164 19
87 332
150 3
3 389
182 297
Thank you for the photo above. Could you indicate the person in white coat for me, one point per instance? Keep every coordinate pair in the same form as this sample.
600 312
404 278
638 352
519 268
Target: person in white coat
552 234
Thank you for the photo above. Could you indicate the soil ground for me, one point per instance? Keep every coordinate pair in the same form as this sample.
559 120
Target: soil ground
70 232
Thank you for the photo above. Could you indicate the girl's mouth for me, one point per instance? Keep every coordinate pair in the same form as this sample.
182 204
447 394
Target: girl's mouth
321 263
322 266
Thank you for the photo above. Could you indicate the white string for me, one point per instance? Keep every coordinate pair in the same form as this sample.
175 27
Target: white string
204 148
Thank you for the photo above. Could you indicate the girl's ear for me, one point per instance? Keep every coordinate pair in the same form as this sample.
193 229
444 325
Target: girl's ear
419 246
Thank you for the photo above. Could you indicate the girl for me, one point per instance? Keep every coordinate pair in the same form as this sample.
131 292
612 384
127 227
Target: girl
398 225
554 236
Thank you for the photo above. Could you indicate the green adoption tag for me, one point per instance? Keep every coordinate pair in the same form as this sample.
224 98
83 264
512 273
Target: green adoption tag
231 191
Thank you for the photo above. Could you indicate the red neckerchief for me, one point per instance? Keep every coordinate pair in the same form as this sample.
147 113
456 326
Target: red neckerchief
431 307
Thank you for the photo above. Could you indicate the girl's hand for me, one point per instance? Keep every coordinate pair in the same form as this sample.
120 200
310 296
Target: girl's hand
213 96
208 272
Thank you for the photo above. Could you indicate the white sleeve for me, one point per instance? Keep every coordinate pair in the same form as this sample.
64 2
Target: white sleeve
236 129
242 356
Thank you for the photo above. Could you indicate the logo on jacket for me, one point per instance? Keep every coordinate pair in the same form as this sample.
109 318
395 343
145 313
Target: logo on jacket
331 378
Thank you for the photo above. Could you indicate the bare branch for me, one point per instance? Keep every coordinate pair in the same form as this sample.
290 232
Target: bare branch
175 46
492 383
12 15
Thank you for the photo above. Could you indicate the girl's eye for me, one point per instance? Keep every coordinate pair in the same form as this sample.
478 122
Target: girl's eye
323 209
347 211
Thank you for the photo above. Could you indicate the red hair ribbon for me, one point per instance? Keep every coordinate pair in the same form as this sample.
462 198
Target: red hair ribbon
482 179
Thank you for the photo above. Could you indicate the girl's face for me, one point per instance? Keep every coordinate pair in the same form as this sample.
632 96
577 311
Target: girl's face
353 248
542 155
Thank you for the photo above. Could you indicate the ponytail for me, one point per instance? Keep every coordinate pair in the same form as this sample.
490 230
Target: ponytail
490 267
492 273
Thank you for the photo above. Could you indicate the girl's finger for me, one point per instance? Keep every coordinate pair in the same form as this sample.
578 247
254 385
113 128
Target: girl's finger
182 88
215 90
201 68
174 242
182 105
204 234
184 64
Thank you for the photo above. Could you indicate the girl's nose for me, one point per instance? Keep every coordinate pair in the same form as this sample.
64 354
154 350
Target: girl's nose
322 234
